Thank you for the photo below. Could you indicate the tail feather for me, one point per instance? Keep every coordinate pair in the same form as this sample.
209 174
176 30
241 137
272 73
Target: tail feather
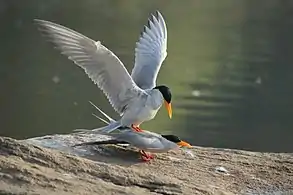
109 128
103 113
100 118
112 124
106 129
83 130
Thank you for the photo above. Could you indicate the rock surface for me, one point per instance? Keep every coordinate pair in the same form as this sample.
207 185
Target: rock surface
49 165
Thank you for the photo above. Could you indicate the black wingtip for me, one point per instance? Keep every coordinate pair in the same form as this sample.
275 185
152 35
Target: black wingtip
157 13
149 22
150 19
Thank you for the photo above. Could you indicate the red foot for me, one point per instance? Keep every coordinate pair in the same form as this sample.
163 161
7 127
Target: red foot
136 128
146 157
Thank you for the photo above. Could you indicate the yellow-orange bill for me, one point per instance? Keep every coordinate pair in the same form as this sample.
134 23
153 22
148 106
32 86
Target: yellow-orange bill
169 108
184 144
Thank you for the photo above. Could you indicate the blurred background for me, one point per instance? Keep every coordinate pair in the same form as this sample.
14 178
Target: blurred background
229 67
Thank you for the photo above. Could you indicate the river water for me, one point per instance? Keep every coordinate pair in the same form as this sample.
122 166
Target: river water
229 67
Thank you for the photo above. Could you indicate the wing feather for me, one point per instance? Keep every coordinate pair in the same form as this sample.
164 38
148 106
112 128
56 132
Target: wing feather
145 139
101 65
150 52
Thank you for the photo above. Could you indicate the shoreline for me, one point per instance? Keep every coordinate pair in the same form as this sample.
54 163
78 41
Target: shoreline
49 165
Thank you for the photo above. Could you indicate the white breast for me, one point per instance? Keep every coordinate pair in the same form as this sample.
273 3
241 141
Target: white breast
143 109
155 99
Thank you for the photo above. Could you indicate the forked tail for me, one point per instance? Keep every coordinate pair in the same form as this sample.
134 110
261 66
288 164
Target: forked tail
112 124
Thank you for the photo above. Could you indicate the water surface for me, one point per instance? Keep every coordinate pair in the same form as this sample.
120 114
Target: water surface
229 66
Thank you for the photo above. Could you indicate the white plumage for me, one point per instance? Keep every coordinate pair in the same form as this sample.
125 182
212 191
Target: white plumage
150 52
136 98
145 141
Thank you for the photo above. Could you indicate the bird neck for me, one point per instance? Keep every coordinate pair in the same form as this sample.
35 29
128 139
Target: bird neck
155 98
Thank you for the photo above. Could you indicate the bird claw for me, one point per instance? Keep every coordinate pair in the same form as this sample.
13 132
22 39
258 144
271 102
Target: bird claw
137 129
146 157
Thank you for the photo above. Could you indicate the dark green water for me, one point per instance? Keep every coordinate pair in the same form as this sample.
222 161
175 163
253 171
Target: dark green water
229 66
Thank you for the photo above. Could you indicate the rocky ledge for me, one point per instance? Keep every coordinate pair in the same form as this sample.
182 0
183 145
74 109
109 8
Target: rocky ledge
49 165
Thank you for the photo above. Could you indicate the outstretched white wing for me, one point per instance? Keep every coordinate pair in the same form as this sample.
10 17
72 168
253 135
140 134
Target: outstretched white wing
99 63
150 52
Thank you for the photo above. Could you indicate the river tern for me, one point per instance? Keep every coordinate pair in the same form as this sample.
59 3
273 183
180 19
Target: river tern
135 97
145 141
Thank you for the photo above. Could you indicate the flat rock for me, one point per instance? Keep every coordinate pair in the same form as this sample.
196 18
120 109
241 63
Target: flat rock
50 165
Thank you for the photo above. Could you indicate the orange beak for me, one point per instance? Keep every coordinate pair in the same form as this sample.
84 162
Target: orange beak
169 109
184 144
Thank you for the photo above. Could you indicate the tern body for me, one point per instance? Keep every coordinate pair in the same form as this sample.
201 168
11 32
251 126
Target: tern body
145 141
143 108
135 97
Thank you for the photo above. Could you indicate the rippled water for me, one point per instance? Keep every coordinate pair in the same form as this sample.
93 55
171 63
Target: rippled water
229 66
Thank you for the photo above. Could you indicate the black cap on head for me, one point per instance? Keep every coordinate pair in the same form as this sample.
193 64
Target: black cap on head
166 92
172 138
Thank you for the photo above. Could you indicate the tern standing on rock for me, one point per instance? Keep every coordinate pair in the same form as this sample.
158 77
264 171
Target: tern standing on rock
136 98
145 141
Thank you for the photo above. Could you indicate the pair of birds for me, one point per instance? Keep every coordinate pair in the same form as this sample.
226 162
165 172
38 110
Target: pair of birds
135 97
146 141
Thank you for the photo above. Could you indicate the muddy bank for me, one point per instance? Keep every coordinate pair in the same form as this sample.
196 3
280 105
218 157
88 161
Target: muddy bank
48 165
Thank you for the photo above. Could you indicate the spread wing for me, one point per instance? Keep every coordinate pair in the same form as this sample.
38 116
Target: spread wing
100 64
150 52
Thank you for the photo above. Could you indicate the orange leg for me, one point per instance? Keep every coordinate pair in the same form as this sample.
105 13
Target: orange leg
136 128
146 157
